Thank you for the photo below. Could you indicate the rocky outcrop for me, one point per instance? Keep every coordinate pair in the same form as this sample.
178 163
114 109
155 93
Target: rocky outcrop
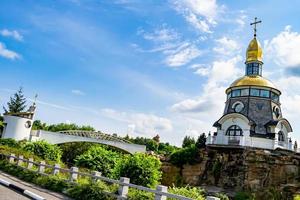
237 168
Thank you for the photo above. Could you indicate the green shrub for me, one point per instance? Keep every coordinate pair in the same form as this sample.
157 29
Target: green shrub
222 196
297 197
44 149
142 169
54 183
188 155
73 149
244 196
135 194
90 191
17 171
9 142
191 192
99 159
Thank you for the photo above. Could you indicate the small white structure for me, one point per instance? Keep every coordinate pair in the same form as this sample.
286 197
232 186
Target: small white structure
18 125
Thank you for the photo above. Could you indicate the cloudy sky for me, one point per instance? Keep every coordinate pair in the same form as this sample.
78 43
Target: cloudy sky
144 67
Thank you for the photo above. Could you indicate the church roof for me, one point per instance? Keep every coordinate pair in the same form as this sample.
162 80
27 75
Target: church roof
253 81
254 51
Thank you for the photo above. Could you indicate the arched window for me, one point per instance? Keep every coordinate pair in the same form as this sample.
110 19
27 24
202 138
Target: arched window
281 136
234 131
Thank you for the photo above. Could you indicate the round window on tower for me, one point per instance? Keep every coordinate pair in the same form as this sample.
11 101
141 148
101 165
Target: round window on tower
28 124
238 106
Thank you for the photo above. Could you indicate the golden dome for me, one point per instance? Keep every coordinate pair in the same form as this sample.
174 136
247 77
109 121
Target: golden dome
253 81
254 51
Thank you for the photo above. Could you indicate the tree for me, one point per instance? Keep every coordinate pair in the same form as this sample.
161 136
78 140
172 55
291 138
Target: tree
142 169
38 125
17 103
99 159
188 141
200 143
156 138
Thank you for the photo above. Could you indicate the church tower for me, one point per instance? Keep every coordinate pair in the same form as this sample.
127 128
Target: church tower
252 115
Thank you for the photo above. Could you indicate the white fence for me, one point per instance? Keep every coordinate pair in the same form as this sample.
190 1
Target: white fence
161 192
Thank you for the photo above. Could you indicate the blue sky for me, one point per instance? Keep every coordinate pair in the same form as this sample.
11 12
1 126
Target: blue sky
144 67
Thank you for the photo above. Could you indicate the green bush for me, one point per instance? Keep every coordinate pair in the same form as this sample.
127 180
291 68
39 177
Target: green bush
135 194
191 192
90 191
54 183
244 196
142 169
9 142
188 155
297 197
99 159
73 149
222 196
44 149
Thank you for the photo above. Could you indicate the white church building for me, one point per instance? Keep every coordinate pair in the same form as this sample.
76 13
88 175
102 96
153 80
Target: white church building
252 116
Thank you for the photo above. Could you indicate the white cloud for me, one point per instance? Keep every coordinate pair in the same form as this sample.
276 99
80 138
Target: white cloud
6 53
161 34
168 42
226 46
284 48
77 92
140 123
211 102
183 56
201 14
14 34
201 69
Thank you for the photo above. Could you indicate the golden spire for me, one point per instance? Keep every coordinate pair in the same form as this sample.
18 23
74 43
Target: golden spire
254 50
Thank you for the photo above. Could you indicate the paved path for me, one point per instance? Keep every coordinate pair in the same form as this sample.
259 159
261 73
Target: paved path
6 192
9 194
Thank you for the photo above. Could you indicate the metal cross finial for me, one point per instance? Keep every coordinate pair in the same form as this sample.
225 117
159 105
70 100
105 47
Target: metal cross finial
35 97
254 23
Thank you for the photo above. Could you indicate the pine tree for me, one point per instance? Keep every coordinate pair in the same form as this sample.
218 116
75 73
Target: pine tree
200 143
17 103
188 141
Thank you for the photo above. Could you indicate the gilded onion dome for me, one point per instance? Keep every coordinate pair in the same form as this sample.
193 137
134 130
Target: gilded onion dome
254 51
253 76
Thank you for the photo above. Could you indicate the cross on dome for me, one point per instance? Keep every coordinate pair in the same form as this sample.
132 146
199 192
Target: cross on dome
254 23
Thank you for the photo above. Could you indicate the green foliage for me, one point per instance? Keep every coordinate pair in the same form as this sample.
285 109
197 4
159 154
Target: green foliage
188 155
17 171
188 141
191 192
44 150
166 149
64 127
19 151
99 159
201 140
140 168
38 125
244 196
90 191
73 149
216 169
297 197
222 196
17 103
54 183
135 194
9 142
